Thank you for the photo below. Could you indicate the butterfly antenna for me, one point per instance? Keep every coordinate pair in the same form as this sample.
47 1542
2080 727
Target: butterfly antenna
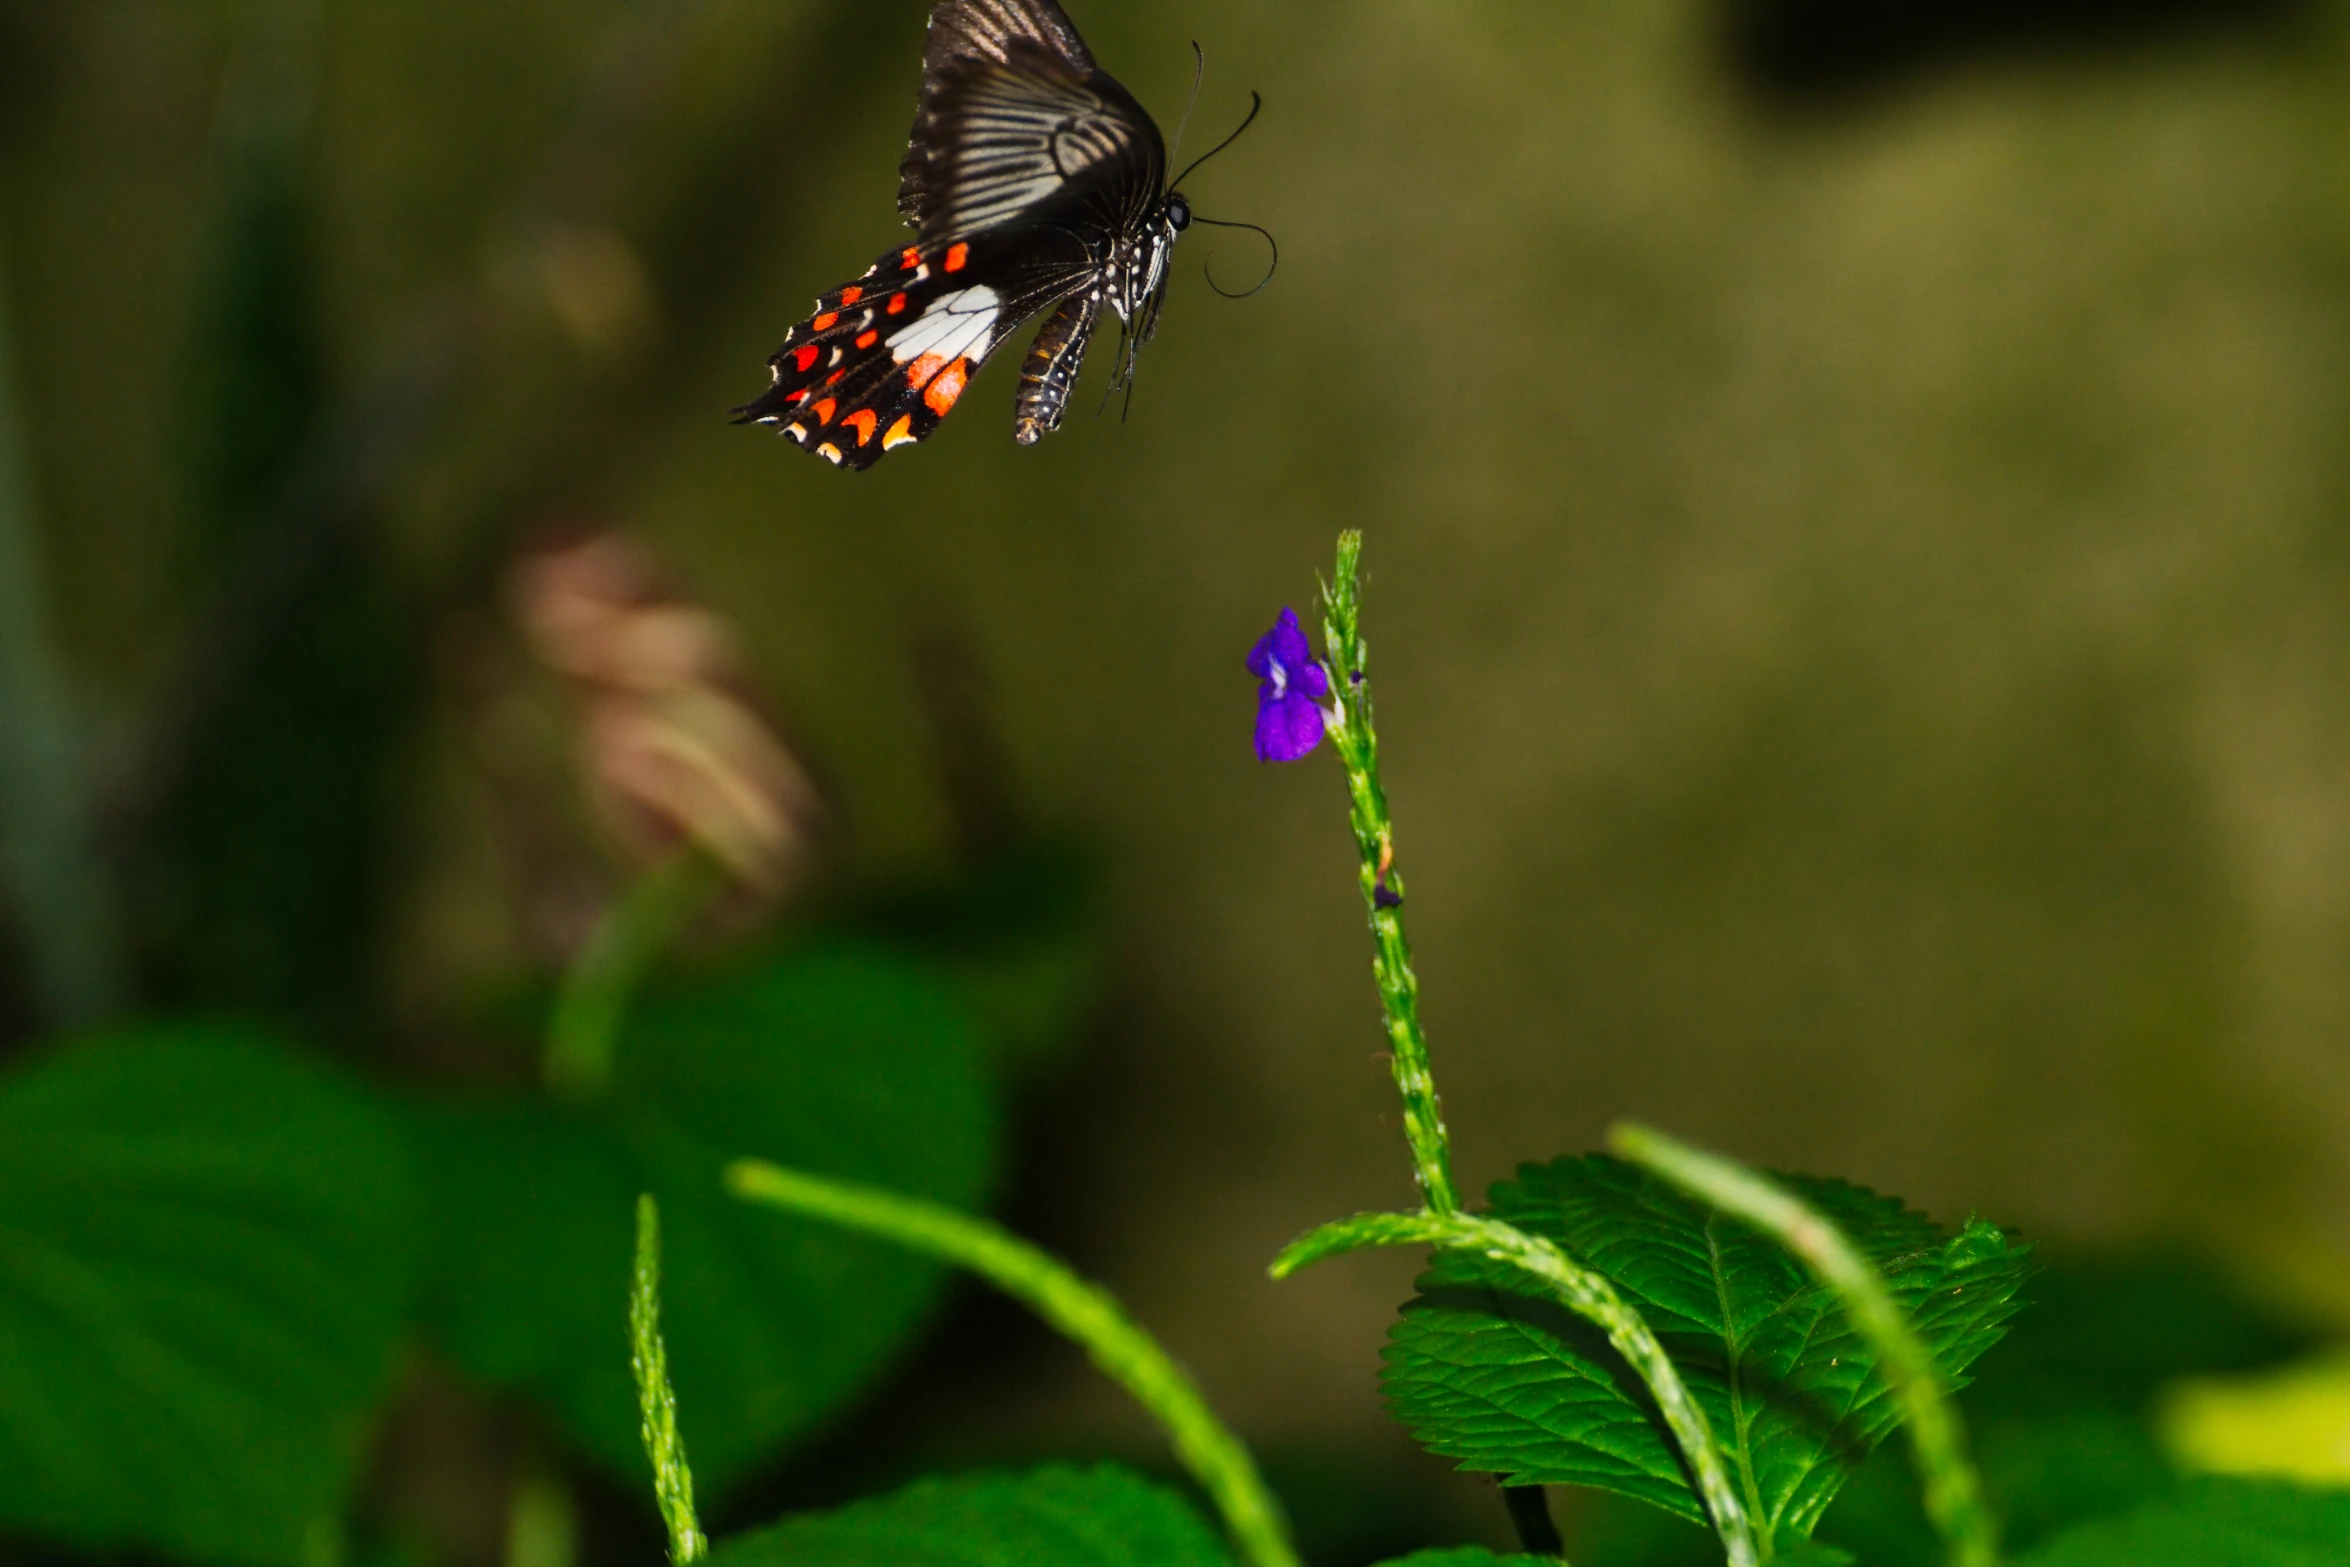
1256 101
1199 72
1270 268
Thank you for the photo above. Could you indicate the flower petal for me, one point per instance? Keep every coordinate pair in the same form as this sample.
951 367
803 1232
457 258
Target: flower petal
1285 644
1287 727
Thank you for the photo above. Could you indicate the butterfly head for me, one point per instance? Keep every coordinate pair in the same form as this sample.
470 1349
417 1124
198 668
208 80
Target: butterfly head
1178 212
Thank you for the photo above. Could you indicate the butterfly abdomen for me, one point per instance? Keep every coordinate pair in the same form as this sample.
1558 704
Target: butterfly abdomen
1049 373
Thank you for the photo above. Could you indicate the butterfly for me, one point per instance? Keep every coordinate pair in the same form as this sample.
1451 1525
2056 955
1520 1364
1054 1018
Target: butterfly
1032 180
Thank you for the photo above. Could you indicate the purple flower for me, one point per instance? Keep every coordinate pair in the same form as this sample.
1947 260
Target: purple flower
1289 711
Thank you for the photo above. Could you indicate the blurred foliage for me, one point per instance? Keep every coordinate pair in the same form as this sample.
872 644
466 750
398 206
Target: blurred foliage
209 1249
207 1255
266 782
1053 1517
2291 1423
1814 47
844 1059
1018 936
2239 1524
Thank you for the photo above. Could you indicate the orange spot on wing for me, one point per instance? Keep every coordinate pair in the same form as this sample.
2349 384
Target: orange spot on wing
834 378
805 356
911 259
823 323
851 294
899 433
956 256
897 302
941 393
824 411
868 339
862 421
922 369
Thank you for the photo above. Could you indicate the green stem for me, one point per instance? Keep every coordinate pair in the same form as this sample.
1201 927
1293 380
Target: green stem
584 1031
1581 1291
673 1478
47 846
1954 1497
1391 956
1082 1311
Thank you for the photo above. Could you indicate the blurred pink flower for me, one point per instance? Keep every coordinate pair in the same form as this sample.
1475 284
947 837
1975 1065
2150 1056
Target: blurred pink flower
674 749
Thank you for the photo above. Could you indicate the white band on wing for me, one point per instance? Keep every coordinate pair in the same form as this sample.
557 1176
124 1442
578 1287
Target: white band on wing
954 325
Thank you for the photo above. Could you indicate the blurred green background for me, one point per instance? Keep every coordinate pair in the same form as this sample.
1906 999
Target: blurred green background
1858 522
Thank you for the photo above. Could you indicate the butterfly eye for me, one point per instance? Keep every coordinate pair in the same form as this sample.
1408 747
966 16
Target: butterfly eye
1178 213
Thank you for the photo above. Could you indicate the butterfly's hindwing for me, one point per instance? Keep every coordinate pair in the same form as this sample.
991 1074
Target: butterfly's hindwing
885 358
1049 373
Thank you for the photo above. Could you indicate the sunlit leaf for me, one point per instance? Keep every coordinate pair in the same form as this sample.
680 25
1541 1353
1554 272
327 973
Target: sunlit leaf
1514 1385
1059 1516
2290 1423
204 1268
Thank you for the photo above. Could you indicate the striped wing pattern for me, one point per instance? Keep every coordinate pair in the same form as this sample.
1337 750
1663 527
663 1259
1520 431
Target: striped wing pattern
983 32
1007 138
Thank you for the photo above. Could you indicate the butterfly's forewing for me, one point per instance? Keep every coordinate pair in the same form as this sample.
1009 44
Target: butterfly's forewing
1008 141
1016 120
964 32
885 358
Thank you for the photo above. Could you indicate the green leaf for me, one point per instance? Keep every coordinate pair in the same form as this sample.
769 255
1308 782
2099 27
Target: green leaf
1461 1556
204 1268
1057 1516
2217 1523
1515 1386
840 1059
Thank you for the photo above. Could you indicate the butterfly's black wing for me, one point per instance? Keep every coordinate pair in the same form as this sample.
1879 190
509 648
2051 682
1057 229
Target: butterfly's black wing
1031 176
885 358
1012 109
